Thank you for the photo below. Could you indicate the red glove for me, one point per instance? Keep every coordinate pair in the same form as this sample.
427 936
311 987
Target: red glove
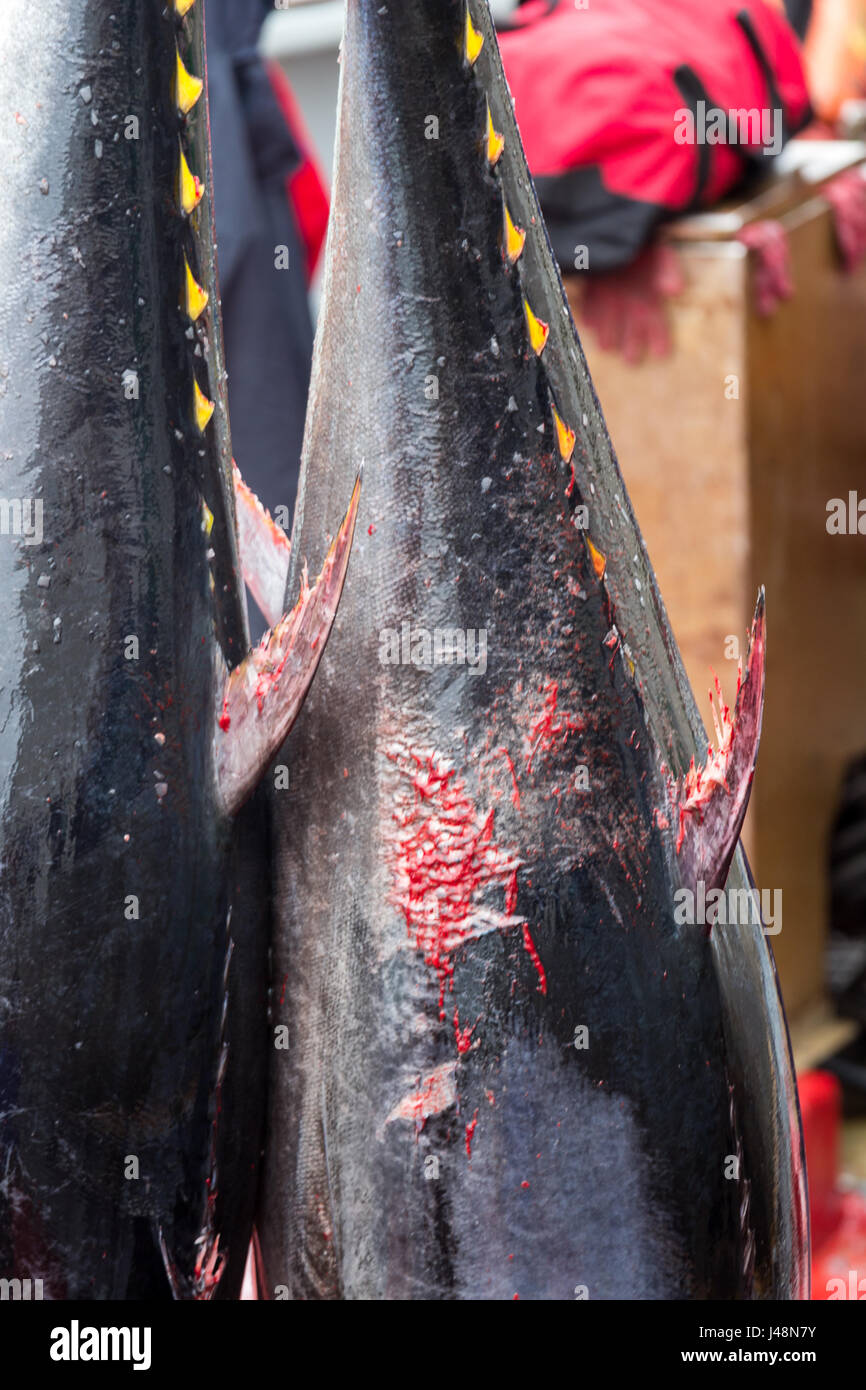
846 195
773 282
626 307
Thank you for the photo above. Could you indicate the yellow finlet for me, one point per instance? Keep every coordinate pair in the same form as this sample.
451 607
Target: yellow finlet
599 562
194 299
495 141
190 188
202 407
515 238
538 329
564 436
182 7
473 40
187 88
206 518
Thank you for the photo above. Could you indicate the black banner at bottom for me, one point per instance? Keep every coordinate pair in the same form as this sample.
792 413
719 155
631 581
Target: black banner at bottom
84 1339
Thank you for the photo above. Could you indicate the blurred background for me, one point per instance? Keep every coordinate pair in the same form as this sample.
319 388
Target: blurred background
716 270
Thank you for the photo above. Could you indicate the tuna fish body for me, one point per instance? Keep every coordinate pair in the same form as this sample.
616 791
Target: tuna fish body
511 1069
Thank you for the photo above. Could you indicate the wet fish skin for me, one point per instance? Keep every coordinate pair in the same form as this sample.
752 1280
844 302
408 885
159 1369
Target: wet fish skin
133 885
453 905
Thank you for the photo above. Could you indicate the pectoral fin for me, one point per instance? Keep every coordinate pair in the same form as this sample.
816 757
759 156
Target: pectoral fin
262 696
265 550
711 802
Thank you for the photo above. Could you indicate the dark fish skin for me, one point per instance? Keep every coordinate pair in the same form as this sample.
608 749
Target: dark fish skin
446 927
113 1031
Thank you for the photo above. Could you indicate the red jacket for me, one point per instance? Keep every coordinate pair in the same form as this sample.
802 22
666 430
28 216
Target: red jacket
608 96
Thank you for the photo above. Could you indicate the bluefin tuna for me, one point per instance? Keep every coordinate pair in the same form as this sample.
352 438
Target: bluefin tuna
507 1064
134 721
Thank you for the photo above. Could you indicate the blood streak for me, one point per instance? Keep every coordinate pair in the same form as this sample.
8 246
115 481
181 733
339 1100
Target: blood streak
700 783
463 1036
435 1093
470 1130
515 794
535 958
549 725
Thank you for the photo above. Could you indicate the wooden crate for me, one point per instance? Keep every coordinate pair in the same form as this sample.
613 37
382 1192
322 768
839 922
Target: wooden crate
732 490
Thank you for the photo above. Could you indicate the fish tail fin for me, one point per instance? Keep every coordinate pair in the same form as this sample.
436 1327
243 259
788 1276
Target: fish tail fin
263 695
